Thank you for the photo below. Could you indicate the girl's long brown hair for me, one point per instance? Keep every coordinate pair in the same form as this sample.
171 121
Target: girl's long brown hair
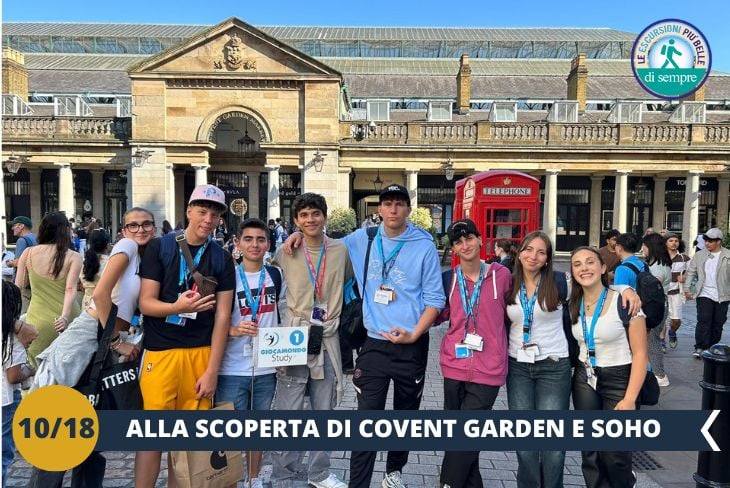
55 230
547 296
576 291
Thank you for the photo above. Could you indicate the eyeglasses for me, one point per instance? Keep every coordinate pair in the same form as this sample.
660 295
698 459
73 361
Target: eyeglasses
146 226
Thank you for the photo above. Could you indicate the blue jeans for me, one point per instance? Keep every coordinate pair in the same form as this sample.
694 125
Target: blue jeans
237 389
8 442
544 385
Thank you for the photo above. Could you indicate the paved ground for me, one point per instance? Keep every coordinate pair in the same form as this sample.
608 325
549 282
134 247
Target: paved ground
498 468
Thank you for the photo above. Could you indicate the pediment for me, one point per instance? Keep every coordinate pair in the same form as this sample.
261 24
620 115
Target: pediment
234 47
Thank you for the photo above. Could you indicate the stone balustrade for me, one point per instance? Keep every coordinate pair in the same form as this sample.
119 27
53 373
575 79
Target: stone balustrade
543 133
67 127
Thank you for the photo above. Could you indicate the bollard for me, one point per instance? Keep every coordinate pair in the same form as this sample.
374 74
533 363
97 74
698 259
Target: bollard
713 468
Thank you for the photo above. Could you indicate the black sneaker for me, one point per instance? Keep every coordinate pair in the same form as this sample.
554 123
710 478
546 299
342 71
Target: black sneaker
672 339
697 353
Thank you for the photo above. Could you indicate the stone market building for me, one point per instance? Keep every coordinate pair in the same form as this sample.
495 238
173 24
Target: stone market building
102 117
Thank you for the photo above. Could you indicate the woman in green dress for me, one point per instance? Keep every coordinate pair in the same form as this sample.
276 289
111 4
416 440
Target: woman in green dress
52 269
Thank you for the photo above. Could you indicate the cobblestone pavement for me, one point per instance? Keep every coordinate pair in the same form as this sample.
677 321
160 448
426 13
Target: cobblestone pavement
498 468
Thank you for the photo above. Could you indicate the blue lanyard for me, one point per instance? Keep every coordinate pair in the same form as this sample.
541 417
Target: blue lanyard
390 261
528 307
184 272
317 281
253 304
588 335
472 305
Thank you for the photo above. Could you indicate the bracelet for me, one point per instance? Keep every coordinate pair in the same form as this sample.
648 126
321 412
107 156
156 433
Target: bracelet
17 331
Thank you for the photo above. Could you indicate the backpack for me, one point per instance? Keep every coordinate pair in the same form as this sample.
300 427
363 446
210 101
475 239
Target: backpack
650 392
352 324
651 292
169 250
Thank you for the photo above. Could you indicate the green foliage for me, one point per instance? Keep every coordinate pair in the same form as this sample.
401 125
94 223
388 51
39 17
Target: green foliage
421 217
342 220
445 241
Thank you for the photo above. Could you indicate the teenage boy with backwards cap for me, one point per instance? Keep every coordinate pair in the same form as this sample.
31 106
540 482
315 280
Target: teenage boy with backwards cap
185 332
401 301
708 277
476 303
315 274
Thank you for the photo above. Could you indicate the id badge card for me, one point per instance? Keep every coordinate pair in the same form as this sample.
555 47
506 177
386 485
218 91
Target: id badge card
461 351
319 314
383 296
248 349
591 378
175 320
189 315
527 353
474 342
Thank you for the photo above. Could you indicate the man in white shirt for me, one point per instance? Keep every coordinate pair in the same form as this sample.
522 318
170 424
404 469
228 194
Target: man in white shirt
708 277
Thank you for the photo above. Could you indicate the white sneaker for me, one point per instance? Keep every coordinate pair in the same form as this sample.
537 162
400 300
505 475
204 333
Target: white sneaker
331 481
662 380
255 483
393 480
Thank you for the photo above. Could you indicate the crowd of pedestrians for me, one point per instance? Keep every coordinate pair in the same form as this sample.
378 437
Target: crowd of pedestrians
189 312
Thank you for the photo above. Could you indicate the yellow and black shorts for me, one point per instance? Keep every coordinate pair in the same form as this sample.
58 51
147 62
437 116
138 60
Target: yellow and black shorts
168 378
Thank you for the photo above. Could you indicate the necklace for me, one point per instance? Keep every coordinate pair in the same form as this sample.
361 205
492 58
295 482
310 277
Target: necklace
590 305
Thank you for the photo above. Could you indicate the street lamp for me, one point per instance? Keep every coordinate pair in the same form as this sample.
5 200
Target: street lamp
246 145
378 183
318 161
14 162
448 168
140 157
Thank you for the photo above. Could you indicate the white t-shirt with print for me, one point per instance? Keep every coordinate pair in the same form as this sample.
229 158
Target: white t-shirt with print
238 356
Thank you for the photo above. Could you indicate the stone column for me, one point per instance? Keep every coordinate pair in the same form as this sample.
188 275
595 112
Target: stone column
723 201
253 194
690 222
35 203
620 200
66 201
201 174
97 189
130 187
594 227
550 213
274 207
180 202
658 217
170 195
412 185
343 187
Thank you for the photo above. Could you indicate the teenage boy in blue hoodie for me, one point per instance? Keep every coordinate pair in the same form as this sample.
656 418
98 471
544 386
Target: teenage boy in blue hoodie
403 297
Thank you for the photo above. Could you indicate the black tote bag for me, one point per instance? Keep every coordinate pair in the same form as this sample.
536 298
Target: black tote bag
109 385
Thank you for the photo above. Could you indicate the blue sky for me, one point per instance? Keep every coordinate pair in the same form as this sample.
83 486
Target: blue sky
709 16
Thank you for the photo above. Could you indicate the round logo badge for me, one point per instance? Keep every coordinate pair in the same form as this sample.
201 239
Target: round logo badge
671 59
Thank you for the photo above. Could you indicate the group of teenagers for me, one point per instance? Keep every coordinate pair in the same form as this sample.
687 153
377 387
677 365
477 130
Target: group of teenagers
197 347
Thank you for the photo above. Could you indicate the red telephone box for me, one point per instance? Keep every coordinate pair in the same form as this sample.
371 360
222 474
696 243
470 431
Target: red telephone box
503 204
